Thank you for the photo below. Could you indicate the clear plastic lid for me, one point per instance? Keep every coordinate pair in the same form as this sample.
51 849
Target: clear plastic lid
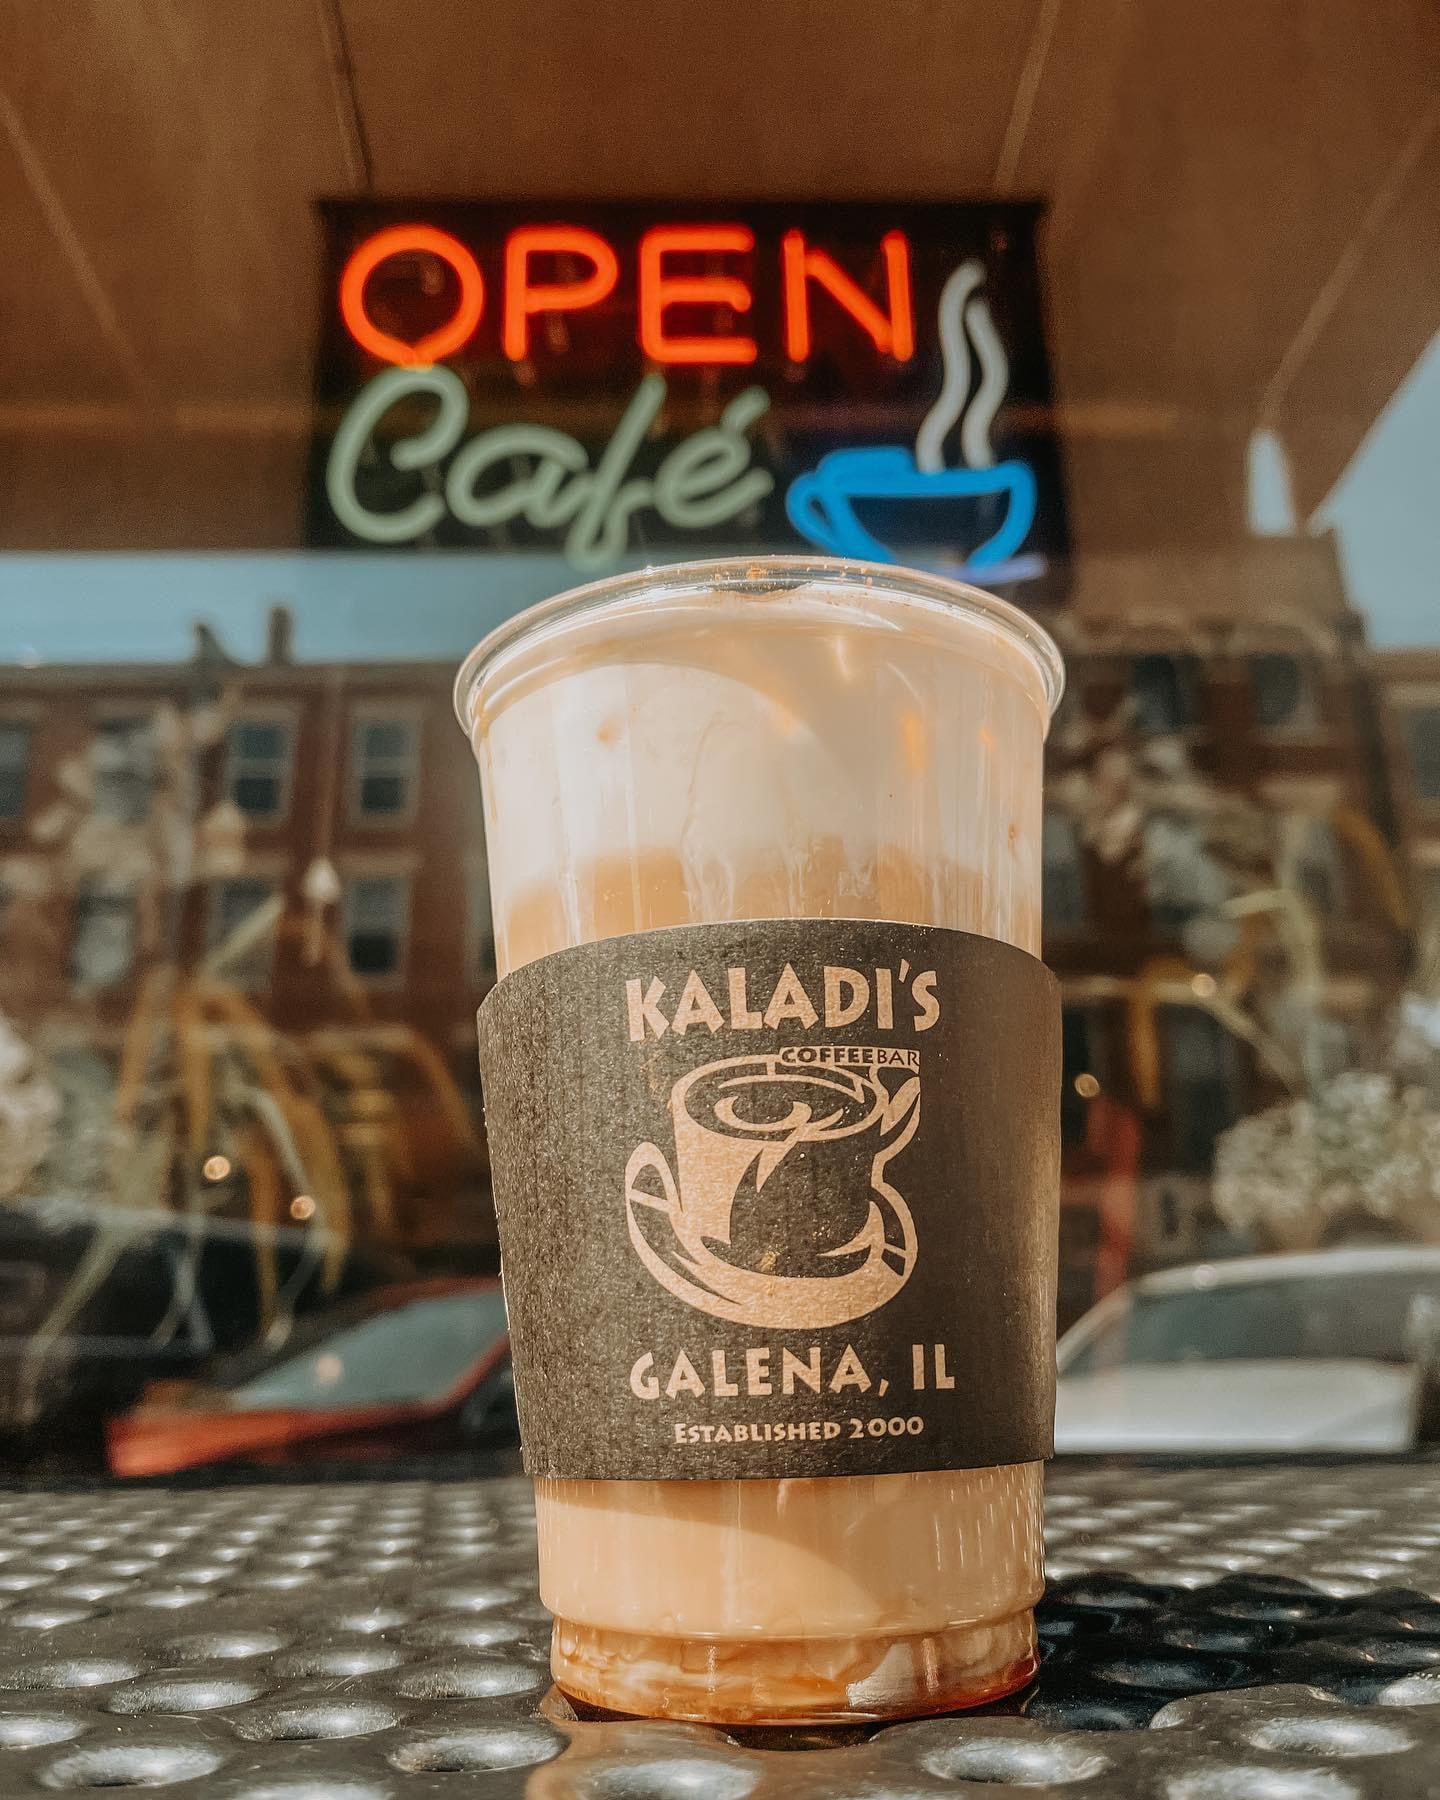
764 577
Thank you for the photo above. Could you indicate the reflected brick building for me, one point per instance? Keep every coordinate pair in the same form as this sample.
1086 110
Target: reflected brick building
361 768
1250 670
1408 686
335 809
347 797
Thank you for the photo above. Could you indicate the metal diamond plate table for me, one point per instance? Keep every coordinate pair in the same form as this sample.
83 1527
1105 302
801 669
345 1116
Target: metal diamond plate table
1227 1633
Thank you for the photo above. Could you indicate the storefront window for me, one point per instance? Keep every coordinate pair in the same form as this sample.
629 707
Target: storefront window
1163 374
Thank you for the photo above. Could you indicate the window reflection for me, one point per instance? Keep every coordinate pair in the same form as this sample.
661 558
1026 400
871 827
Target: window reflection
1319 869
1062 874
244 917
239 934
377 918
14 769
1184 879
1082 1050
228 1101
1164 691
211 951
1421 725
1283 690
1202 1084
102 934
123 766
257 775
386 755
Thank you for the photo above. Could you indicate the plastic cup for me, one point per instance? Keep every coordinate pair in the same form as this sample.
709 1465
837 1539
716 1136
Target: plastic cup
776 738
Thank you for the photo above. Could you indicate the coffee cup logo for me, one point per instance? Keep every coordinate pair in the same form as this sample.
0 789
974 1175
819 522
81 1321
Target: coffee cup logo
777 1211
821 505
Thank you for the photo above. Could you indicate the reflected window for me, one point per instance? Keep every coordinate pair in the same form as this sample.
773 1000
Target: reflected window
386 752
1080 1078
1319 866
102 935
233 906
257 768
1164 692
1282 691
14 768
124 764
1429 895
1421 725
1183 879
377 924
1062 873
1202 1084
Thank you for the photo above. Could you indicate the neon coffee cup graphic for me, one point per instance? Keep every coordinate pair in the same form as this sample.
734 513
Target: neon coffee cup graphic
821 503
733 1228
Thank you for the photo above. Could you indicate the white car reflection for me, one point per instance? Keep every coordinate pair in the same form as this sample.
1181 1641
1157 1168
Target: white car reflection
1307 1352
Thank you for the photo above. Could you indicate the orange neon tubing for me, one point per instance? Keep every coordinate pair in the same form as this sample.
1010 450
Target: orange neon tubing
397 240
522 300
892 336
659 290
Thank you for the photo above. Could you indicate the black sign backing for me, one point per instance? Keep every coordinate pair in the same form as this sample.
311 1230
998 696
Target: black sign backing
872 378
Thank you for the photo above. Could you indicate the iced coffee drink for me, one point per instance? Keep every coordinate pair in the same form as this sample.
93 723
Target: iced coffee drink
771 1079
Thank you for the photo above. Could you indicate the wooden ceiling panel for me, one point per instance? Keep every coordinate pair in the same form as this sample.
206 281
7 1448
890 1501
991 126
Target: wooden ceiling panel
150 490
1368 331
812 97
1075 63
55 354
1243 148
186 144
1235 231
1181 492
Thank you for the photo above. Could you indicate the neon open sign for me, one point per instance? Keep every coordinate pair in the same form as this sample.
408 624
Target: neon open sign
617 380
661 290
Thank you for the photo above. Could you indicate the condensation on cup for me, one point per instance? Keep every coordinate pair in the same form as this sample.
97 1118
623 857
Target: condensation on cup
775 739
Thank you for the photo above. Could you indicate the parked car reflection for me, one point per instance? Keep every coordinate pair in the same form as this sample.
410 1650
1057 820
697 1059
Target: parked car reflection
1328 1350
98 1301
421 1370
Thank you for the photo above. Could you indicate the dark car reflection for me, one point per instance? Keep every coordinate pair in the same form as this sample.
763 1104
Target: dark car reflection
96 1302
421 1370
